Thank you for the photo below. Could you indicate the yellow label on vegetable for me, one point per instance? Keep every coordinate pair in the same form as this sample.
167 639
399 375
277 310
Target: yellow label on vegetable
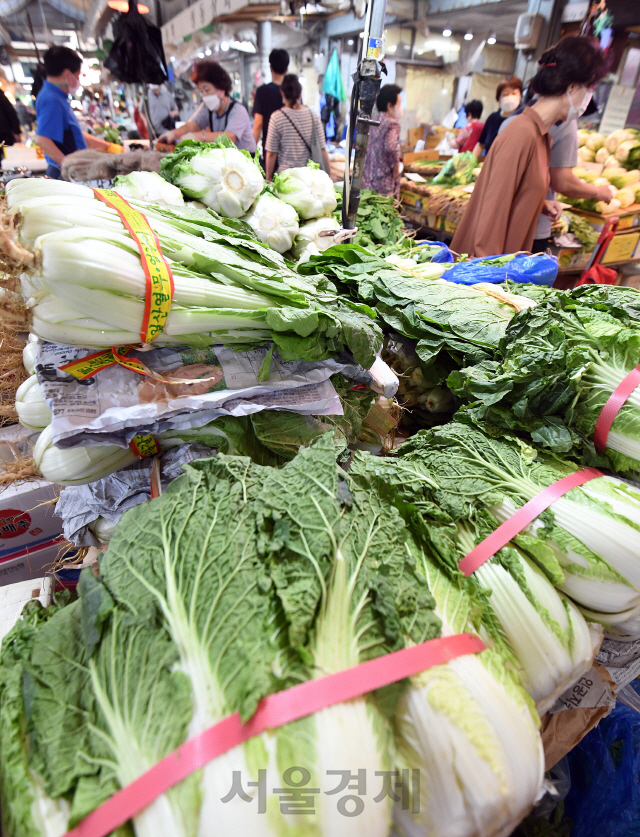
87 367
159 279
144 446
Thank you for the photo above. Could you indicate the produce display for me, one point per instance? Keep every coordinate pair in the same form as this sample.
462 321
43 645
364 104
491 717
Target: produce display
618 159
378 221
88 284
287 454
458 171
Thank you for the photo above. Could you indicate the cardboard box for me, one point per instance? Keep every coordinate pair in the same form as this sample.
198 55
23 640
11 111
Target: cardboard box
412 156
14 597
417 134
30 534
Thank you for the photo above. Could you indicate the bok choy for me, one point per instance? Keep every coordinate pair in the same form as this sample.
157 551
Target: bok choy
87 286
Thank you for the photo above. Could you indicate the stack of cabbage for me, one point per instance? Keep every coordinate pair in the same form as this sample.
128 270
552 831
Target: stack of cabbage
253 579
619 147
619 155
86 285
231 182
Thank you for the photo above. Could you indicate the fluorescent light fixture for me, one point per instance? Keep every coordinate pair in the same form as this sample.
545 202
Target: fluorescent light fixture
468 36
491 39
123 6
391 48
446 33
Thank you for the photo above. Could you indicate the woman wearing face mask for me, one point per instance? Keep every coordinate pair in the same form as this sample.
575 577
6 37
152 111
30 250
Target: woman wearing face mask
218 114
510 192
382 165
508 96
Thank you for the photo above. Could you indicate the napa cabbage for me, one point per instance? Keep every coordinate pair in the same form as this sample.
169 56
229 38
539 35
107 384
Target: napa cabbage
218 174
274 222
149 187
308 189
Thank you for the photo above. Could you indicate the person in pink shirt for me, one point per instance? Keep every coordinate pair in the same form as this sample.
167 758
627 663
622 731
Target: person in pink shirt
470 134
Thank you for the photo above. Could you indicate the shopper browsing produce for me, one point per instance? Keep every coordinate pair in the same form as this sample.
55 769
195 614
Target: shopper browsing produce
508 96
382 163
467 139
269 96
564 158
219 114
295 133
163 109
58 131
510 193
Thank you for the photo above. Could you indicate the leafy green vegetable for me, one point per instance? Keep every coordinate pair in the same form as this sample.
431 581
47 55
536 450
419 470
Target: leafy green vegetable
514 599
379 223
228 287
454 325
458 171
592 531
218 174
557 366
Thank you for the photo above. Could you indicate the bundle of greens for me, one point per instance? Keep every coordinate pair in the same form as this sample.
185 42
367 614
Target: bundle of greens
253 579
557 366
379 223
545 632
458 171
582 230
87 285
454 325
270 437
590 546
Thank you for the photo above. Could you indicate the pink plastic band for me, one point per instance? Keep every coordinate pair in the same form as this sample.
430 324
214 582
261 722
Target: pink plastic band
616 401
522 518
274 711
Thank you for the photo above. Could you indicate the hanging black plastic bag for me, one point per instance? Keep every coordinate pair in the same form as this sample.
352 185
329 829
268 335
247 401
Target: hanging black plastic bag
137 55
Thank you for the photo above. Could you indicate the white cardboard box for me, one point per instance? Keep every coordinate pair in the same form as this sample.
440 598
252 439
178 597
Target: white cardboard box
30 534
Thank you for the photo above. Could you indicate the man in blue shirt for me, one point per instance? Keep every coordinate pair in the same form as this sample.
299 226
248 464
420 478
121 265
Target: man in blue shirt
58 131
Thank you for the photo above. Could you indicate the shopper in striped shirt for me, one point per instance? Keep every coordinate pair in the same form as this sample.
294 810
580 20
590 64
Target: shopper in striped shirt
291 131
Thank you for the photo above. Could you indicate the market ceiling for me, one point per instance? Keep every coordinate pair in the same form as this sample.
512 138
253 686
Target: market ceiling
52 21
498 19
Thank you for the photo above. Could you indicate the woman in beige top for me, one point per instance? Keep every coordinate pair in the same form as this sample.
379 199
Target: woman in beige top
509 196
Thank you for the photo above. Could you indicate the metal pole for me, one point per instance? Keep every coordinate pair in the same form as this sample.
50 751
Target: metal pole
264 47
367 80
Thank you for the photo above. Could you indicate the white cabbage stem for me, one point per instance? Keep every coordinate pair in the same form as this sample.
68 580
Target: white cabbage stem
32 409
478 752
79 465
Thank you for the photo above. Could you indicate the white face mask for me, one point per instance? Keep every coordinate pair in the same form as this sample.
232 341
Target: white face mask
576 111
397 112
211 102
509 103
73 83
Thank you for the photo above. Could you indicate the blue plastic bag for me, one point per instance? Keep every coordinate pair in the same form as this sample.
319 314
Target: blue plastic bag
604 800
540 269
445 255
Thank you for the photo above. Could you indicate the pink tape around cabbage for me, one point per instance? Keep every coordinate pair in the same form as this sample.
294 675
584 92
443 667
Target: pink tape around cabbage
494 542
274 711
616 401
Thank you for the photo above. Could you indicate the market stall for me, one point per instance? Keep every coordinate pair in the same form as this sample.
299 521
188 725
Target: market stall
212 418
310 525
